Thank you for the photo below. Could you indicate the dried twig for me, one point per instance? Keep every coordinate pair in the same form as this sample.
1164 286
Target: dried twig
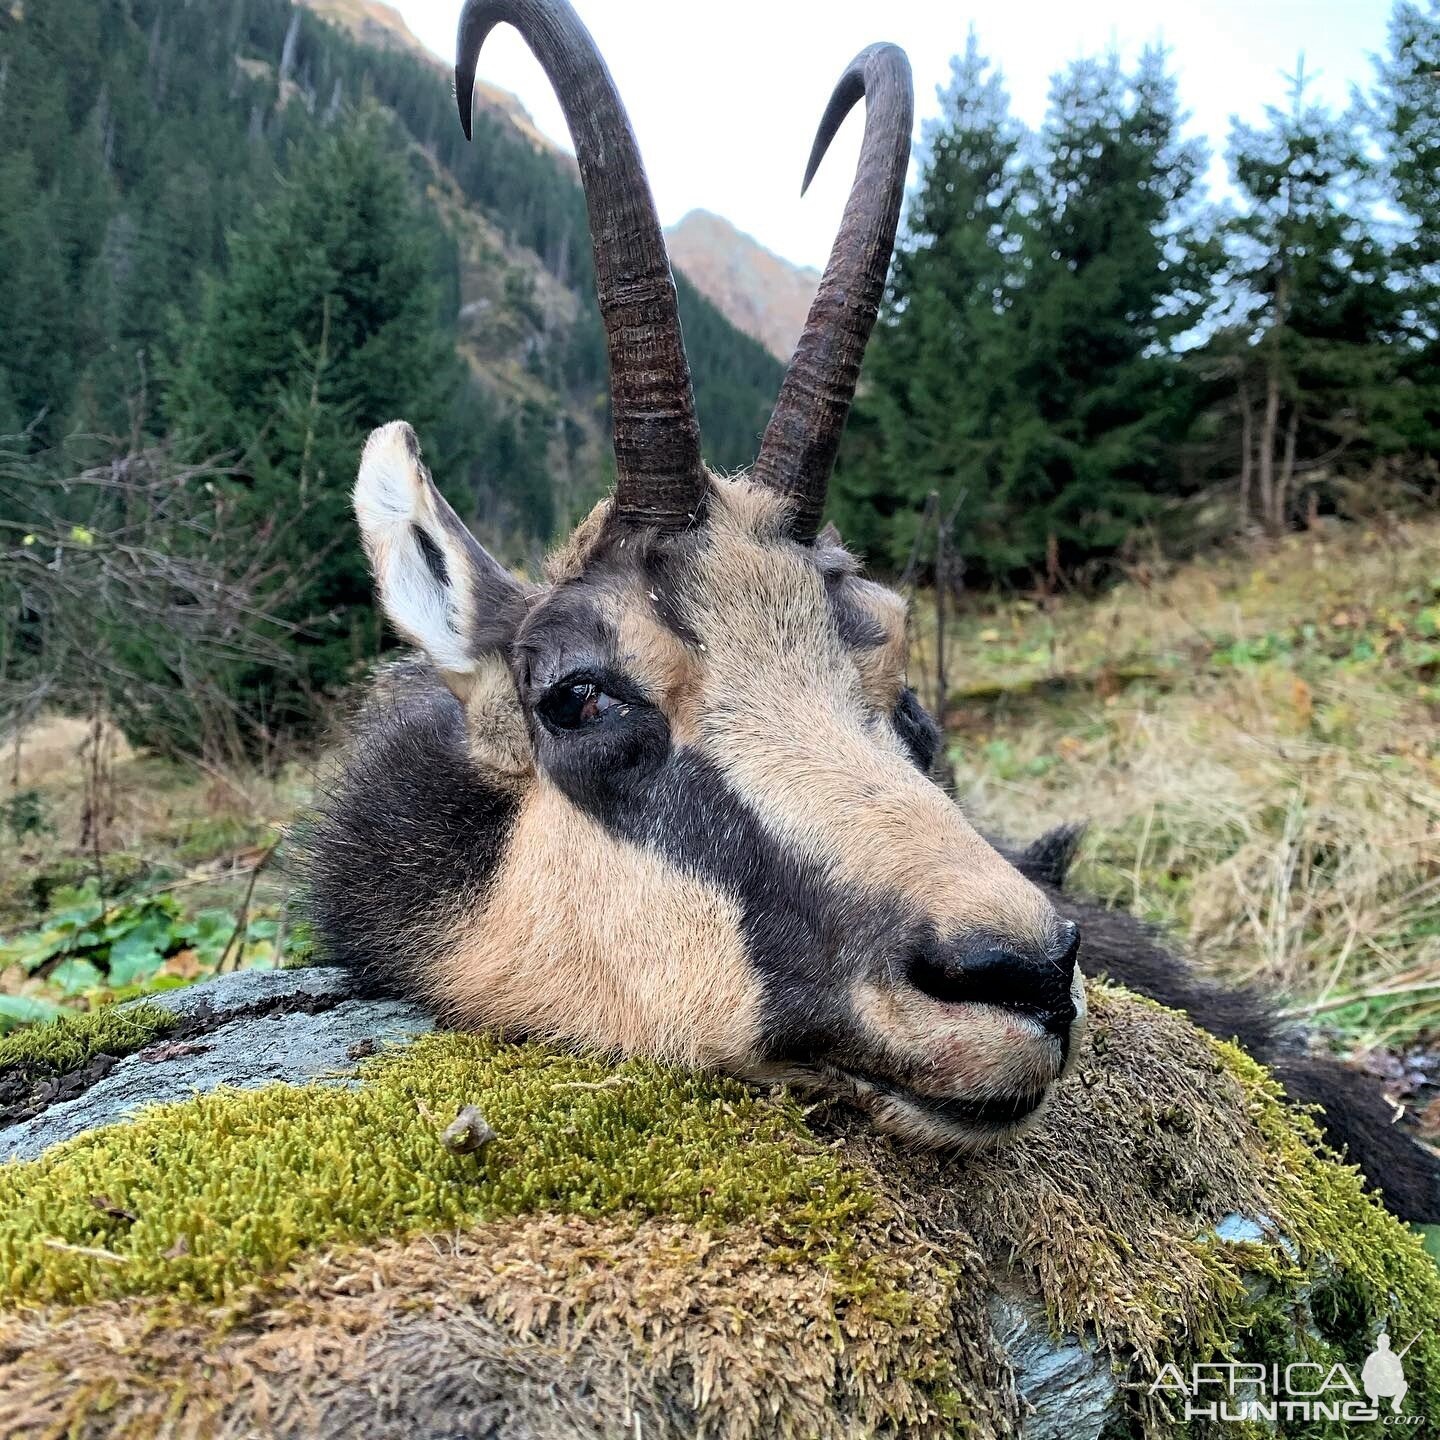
1339 1002
242 920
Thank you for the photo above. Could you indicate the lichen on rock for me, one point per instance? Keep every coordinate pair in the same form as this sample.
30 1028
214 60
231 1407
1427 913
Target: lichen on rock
646 1246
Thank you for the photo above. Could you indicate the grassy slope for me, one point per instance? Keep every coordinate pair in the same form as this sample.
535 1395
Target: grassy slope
1253 740
179 850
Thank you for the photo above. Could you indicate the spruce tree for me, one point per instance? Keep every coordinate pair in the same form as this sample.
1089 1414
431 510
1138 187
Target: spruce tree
325 325
1114 272
1313 324
939 371
1022 368
1403 114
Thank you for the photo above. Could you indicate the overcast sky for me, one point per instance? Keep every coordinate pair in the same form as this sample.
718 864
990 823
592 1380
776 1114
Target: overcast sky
725 96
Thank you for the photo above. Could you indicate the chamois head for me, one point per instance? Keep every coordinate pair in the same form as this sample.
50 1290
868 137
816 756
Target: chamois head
674 800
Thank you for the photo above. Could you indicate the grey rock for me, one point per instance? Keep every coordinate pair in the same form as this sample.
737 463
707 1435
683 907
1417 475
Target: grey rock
1068 1384
249 989
1241 1229
293 1045
1067 1381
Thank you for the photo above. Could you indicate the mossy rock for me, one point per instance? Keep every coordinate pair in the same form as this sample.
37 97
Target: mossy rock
653 1252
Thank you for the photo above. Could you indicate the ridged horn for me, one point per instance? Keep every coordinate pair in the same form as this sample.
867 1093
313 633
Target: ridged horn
660 479
798 451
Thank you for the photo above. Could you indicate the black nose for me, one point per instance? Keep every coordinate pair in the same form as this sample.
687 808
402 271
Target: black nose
986 970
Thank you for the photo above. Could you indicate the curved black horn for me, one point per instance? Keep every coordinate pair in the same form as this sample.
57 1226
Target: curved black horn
803 436
659 476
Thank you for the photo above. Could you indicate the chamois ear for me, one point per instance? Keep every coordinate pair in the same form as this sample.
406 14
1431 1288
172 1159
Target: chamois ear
437 584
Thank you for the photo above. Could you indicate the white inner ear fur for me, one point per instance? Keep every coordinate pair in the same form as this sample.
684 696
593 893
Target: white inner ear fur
394 497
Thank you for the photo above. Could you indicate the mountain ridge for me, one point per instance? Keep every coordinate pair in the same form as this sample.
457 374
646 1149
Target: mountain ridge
761 293
382 26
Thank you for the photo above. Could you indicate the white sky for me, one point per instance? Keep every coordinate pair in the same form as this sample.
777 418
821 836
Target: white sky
725 96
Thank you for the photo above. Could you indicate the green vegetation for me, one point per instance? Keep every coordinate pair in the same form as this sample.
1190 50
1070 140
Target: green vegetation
324 326
190 875
249 1199
237 237
70 1041
103 950
1374 1276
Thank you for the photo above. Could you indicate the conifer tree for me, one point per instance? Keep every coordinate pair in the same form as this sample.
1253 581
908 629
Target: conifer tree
1114 272
1403 114
938 373
1314 325
325 325
1022 370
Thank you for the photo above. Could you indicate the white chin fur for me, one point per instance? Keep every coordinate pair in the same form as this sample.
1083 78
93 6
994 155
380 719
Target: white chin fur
916 1122
897 1116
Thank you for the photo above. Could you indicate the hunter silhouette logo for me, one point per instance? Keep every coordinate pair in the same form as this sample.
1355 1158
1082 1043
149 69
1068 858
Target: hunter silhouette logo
1306 1390
1383 1376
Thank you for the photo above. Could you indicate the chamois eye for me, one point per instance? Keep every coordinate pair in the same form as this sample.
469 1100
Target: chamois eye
573 705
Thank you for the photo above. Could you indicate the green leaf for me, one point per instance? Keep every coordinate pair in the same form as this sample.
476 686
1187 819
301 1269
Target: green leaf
77 918
74 977
210 933
138 954
66 897
33 949
17 1010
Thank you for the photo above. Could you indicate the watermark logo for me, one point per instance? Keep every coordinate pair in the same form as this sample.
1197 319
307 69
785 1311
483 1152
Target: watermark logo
1383 1376
1304 1390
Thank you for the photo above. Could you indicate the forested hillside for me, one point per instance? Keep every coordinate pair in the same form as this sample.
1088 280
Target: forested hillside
136 134
238 231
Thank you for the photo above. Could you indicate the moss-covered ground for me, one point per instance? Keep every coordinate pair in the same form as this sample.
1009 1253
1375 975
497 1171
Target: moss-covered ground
233 1185
1107 1209
72 1040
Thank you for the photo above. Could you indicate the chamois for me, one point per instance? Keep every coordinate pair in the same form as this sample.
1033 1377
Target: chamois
675 800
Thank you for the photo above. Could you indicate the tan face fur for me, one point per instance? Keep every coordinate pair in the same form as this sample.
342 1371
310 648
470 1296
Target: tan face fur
735 860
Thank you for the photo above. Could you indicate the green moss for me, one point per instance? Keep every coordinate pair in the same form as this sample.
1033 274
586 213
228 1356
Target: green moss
70 1041
199 1201
233 1185
1373 1273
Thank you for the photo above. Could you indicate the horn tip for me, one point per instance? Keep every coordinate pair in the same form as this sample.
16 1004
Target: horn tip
464 102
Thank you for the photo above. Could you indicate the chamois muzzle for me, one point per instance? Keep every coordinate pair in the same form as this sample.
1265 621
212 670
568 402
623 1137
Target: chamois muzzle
985 970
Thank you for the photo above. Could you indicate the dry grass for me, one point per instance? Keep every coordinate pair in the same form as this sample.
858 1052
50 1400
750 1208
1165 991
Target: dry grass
1254 743
197 823
53 748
